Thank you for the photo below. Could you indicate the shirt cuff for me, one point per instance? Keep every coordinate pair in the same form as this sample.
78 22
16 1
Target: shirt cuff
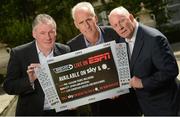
32 83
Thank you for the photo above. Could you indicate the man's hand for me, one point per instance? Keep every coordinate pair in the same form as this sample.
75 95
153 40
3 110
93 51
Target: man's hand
115 97
30 71
136 82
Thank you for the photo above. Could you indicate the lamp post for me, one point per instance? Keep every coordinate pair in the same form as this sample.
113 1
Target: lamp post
145 16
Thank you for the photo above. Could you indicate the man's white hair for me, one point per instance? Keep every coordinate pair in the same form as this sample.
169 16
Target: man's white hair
81 5
119 10
45 19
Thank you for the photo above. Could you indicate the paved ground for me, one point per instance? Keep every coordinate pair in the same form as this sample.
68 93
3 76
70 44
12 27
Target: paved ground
8 102
4 57
11 107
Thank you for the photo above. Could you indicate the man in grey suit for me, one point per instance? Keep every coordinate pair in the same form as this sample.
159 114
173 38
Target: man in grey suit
152 64
21 79
91 34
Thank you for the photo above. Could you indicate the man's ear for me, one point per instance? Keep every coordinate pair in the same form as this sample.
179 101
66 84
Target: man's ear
75 23
131 17
96 18
33 34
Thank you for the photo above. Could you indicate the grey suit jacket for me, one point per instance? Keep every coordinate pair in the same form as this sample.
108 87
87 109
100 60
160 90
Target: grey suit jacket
153 61
31 101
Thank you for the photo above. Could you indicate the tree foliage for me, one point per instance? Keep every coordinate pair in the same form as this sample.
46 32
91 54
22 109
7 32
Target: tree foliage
16 16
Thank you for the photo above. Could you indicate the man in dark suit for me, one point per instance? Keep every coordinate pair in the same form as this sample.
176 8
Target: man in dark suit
152 64
21 79
91 34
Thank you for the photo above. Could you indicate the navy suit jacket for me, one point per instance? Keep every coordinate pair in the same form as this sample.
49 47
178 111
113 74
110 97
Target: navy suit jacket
153 61
30 101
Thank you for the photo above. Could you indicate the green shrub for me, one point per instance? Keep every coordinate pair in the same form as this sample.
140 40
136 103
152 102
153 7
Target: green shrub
17 32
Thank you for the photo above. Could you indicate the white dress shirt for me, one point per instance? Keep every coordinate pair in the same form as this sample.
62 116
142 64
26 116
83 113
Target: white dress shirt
100 40
43 60
131 41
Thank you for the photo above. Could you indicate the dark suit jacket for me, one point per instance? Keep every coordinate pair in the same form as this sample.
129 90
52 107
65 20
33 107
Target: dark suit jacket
153 61
124 105
31 101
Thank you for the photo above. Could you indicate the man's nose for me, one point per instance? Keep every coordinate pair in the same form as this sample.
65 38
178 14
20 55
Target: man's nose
47 36
86 24
120 25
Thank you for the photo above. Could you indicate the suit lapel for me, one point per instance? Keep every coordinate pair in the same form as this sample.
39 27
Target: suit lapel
57 51
79 43
82 43
33 55
105 35
137 47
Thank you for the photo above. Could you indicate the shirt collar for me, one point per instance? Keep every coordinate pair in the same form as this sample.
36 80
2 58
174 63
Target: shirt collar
133 38
100 40
39 51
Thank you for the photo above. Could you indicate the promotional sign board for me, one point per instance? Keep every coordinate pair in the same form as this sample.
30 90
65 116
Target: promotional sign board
85 76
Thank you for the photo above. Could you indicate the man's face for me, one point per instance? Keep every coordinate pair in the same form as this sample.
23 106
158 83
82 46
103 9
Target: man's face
45 35
86 23
122 24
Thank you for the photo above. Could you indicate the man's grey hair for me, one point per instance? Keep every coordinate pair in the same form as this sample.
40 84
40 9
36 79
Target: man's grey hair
45 19
119 10
81 5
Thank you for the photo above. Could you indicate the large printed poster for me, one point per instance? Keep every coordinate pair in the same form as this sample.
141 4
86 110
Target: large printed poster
85 76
